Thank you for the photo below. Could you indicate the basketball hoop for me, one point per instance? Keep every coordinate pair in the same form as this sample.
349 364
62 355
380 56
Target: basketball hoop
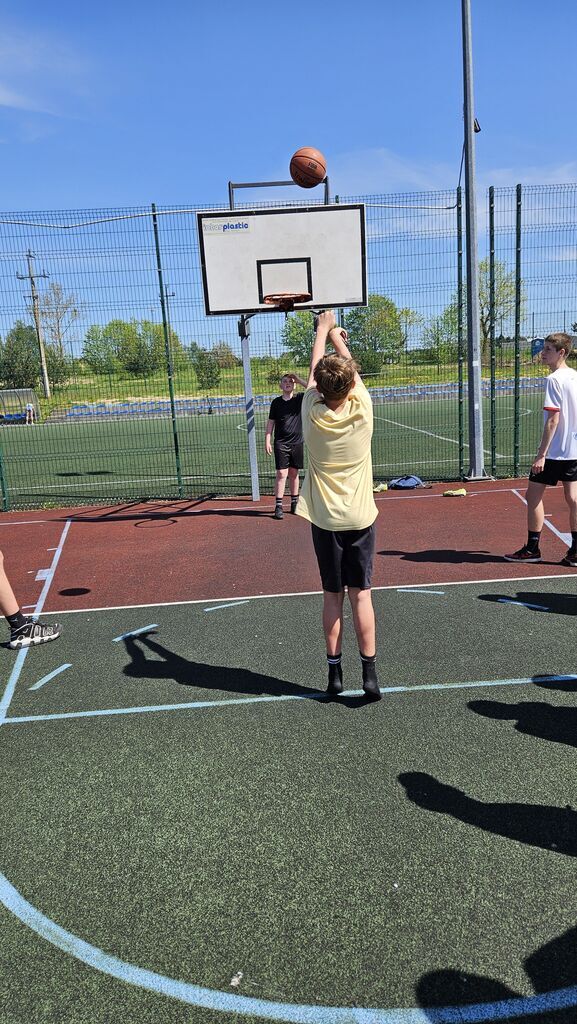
285 301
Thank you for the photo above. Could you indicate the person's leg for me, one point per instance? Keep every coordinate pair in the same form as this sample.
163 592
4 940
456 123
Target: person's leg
23 631
281 475
293 476
333 630
530 552
364 620
570 491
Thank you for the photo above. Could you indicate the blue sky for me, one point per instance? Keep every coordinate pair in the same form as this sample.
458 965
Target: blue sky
124 104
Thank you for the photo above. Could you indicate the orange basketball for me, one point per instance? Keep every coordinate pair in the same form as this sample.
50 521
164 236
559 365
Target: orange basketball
308 167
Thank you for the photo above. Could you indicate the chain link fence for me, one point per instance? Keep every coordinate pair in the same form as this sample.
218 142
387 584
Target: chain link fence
140 395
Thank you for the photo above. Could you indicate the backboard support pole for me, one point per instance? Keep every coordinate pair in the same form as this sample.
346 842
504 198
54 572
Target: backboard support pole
244 332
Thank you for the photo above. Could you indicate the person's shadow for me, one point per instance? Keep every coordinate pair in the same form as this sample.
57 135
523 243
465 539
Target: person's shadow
450 556
559 604
550 828
174 667
534 718
550 968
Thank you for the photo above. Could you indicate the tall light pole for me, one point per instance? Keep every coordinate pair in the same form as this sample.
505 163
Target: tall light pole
475 391
31 276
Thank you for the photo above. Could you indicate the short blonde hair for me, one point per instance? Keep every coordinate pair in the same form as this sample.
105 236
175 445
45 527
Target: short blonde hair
335 376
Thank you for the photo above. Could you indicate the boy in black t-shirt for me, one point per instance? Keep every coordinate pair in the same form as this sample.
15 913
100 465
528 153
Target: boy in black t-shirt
285 419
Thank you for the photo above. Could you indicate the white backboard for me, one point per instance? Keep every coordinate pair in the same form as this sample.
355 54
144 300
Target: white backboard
247 254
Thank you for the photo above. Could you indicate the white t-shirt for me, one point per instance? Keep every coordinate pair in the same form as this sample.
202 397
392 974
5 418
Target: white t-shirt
561 397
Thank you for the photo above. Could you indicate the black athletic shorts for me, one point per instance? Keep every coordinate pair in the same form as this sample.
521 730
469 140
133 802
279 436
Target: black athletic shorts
556 470
345 557
286 455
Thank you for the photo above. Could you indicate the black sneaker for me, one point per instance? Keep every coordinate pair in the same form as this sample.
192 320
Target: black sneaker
278 513
33 633
524 554
372 690
570 559
335 684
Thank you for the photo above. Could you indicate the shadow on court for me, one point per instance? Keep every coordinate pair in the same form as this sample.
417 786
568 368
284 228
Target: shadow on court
533 718
552 967
550 828
559 604
449 556
216 677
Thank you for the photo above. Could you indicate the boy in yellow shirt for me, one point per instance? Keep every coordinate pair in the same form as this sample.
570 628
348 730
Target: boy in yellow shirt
337 497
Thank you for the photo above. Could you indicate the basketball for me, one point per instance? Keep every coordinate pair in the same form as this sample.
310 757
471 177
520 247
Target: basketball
308 167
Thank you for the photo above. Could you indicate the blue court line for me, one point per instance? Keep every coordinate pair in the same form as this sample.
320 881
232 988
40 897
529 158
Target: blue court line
414 590
522 604
21 657
227 1002
135 632
46 679
217 607
313 695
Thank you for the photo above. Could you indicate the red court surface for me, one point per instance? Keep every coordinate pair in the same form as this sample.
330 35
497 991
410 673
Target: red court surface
158 552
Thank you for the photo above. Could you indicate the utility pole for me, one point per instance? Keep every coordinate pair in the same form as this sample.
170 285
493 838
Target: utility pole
31 276
475 390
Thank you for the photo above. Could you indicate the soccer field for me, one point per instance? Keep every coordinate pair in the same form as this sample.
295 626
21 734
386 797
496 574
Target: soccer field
89 460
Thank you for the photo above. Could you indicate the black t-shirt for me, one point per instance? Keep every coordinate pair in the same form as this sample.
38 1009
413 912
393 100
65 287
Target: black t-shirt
287 419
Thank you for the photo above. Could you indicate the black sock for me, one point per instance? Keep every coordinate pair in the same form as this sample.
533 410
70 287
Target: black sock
335 668
278 503
533 538
573 540
369 669
294 499
16 621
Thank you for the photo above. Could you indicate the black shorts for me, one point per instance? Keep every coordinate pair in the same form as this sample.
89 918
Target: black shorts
556 470
345 557
286 455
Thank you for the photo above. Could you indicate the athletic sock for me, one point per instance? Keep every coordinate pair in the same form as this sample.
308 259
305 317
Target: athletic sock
369 669
533 538
278 503
294 499
335 670
16 621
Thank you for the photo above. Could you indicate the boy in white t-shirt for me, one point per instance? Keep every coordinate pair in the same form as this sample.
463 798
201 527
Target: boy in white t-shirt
556 459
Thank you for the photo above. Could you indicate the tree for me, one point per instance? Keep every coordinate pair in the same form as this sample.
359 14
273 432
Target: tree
206 368
378 328
297 335
441 335
57 365
99 351
58 312
504 302
224 356
20 362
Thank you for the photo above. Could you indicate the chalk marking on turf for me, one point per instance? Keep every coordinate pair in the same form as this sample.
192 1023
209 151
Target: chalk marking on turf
22 653
41 574
415 590
29 522
294 1013
51 675
135 632
565 537
522 604
304 593
317 695
232 604
430 433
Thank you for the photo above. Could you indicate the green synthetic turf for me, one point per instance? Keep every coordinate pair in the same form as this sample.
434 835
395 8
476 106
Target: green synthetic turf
277 838
80 461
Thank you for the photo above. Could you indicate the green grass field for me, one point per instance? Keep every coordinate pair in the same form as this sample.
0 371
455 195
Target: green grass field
76 462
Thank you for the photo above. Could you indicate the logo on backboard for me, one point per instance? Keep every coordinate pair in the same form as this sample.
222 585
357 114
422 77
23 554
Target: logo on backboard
226 227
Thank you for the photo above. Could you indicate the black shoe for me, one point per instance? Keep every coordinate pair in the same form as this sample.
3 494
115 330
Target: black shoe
371 688
33 633
524 554
335 680
278 513
570 559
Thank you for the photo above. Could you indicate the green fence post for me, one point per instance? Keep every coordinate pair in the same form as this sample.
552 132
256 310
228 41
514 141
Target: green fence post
3 485
460 352
492 327
169 366
516 439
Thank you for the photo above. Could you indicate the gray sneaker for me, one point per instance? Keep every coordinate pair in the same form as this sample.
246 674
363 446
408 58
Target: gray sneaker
33 633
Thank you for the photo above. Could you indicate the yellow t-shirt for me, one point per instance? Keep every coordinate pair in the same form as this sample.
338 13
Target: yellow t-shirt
337 492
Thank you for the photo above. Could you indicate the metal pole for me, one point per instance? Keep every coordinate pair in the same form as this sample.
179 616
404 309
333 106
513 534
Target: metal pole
3 484
169 366
244 330
516 422
476 466
31 276
460 331
492 326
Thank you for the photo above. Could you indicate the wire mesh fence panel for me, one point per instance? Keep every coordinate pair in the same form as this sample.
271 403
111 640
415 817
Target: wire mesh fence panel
138 394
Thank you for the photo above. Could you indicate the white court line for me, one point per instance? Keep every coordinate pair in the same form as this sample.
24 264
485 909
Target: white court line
232 604
318 695
51 675
416 590
565 537
21 657
430 433
135 632
523 604
302 593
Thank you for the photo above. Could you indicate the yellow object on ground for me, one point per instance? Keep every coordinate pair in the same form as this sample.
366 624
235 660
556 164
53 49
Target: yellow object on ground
380 487
459 493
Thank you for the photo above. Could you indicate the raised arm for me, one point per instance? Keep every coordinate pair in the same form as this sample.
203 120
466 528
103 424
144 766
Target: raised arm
338 338
298 380
325 323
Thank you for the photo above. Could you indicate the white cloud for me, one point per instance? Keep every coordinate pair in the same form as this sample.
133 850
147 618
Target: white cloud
41 74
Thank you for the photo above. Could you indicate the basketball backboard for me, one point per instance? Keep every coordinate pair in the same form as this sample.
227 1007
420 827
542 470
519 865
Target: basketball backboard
248 254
